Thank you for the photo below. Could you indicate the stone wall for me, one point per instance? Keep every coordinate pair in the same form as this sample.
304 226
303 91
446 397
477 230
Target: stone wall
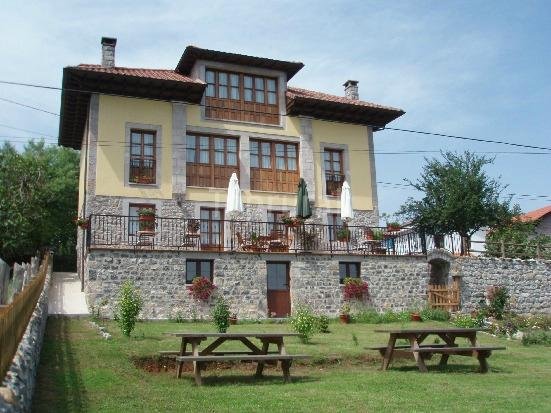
395 282
18 386
528 282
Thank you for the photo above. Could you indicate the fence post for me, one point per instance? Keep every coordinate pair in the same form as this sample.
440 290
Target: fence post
4 281
502 248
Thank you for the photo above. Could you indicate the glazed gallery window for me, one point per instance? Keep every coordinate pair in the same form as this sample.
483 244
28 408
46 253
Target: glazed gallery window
241 96
348 269
199 268
142 157
211 160
333 167
274 166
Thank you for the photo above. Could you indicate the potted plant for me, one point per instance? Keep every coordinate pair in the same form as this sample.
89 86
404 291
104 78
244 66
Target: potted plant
344 315
82 223
415 312
378 235
233 319
292 222
193 226
393 226
146 219
343 234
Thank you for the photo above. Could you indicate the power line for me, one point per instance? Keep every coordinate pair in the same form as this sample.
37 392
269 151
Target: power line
484 140
28 106
26 130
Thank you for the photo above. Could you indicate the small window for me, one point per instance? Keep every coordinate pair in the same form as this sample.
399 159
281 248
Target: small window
198 268
348 269
334 175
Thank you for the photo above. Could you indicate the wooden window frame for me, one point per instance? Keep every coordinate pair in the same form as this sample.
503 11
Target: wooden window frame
143 179
273 164
210 245
333 186
347 265
201 262
229 108
276 224
193 167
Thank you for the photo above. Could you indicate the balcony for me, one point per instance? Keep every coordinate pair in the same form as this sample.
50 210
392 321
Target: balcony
176 234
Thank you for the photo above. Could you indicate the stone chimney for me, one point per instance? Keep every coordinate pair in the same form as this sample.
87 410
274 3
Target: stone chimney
351 89
108 51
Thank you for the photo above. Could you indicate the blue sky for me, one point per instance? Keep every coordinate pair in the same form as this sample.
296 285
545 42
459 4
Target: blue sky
471 68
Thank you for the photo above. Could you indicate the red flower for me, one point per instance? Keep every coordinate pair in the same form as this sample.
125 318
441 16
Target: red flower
355 289
202 288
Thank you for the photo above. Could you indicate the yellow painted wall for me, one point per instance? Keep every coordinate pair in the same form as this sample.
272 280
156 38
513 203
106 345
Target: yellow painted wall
291 128
81 178
356 138
219 195
114 112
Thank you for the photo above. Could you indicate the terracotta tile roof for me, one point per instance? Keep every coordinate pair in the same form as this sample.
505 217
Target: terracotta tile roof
536 214
160 74
295 92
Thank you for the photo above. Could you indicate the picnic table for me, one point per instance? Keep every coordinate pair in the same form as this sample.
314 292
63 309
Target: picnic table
421 351
199 357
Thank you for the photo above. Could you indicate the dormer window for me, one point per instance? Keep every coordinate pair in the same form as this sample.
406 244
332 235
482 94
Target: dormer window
241 97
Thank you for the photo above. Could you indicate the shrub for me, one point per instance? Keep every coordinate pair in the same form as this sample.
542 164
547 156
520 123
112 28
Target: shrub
129 306
434 314
202 288
303 322
499 300
466 321
505 327
220 315
368 317
323 324
355 289
540 337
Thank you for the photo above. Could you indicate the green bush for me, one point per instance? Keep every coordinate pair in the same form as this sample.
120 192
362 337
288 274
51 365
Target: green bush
220 315
499 302
434 314
128 308
368 317
304 322
466 321
323 324
540 337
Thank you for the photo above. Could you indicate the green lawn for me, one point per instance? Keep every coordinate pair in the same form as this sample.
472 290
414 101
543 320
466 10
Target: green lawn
80 371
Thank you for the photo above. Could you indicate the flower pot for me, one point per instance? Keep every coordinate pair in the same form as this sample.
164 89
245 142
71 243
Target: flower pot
415 317
146 222
344 318
232 320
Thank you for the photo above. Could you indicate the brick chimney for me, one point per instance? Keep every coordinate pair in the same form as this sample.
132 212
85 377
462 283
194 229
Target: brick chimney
108 51
351 89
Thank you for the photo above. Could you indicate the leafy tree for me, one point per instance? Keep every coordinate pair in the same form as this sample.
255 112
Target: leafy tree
520 240
458 197
38 198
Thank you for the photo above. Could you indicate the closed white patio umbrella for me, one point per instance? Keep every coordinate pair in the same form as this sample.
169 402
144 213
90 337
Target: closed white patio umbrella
234 205
347 213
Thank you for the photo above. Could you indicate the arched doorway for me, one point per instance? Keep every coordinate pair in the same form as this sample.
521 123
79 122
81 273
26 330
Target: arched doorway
439 271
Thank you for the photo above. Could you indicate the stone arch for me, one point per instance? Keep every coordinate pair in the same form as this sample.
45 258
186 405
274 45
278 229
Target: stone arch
439 266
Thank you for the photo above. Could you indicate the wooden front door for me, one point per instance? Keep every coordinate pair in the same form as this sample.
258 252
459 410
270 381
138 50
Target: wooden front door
279 298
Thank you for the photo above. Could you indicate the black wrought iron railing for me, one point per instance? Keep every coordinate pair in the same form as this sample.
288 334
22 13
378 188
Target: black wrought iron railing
125 232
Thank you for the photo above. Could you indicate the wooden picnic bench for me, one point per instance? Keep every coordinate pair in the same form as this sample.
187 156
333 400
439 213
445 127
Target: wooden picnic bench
420 351
253 353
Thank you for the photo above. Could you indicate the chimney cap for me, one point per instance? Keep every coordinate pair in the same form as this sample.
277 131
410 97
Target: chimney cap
109 41
351 83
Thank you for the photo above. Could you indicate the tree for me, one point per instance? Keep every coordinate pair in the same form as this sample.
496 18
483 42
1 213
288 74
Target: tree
38 198
518 239
458 197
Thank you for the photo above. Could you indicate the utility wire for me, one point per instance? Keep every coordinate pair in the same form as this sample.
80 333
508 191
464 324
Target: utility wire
28 106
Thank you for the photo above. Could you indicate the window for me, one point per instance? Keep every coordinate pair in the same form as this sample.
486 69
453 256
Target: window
348 269
133 219
335 223
198 268
334 176
274 166
212 228
251 98
274 221
211 160
142 157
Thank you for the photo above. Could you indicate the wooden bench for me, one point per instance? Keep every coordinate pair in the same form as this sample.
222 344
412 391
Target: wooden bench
480 352
199 361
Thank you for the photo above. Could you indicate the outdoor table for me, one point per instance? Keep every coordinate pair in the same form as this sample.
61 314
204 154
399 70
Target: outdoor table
416 336
251 352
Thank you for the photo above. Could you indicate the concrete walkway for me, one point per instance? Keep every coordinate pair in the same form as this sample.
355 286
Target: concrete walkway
65 295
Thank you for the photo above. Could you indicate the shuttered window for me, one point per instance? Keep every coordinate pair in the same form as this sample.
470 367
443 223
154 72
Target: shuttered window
274 166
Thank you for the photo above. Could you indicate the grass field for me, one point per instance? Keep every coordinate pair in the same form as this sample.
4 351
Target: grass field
80 371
